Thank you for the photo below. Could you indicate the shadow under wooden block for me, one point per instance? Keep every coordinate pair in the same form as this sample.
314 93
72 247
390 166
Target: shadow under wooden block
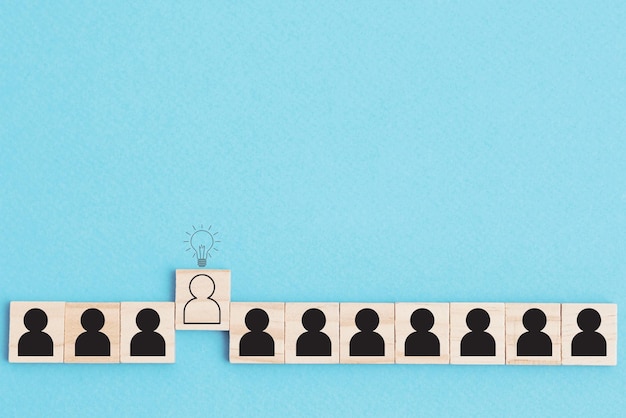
311 332
257 332
533 333
92 332
36 332
202 299
422 333
589 333
366 333
148 332
477 333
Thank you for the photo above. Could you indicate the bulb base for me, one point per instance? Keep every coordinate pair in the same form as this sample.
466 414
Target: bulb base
201 262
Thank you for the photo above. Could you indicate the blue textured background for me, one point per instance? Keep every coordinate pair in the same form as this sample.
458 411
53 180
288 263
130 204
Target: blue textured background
345 152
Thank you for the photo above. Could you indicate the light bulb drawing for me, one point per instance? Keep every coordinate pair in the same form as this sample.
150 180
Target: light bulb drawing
202 242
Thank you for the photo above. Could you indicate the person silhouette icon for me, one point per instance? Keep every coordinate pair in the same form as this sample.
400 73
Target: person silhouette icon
589 342
367 342
313 342
202 309
257 342
422 342
477 342
534 342
147 342
92 342
35 342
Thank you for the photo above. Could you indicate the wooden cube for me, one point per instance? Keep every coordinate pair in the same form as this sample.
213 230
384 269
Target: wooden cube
366 333
148 332
92 332
422 333
37 332
257 332
589 334
202 299
477 333
312 333
533 333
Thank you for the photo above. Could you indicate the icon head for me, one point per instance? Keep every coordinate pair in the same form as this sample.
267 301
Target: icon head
313 320
422 320
147 320
589 320
477 319
35 320
366 320
257 320
202 286
534 320
92 320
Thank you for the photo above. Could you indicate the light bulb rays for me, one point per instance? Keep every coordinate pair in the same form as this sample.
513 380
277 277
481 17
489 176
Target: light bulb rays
202 242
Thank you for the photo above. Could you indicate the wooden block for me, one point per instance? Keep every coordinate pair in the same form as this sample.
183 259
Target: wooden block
202 299
484 342
589 333
533 333
312 333
148 334
372 340
92 332
422 333
257 332
37 332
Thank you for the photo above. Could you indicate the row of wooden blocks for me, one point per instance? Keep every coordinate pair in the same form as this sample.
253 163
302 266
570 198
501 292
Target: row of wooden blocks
441 333
302 332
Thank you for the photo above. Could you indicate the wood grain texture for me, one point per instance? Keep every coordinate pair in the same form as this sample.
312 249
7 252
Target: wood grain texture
130 331
275 328
202 299
74 329
55 329
294 329
515 329
348 329
570 329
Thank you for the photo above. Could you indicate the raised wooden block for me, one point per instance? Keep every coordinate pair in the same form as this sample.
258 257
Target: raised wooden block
257 332
37 332
202 299
589 333
423 333
148 334
533 333
312 333
477 333
92 332
366 333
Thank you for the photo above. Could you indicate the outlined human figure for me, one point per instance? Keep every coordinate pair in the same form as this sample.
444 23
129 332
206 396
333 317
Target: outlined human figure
92 342
147 342
534 342
35 342
477 342
257 342
367 342
589 342
202 309
313 342
422 342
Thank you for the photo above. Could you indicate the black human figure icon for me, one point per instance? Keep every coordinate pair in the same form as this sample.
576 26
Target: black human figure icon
257 342
477 342
422 342
367 342
534 342
92 342
35 342
313 342
147 342
589 342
